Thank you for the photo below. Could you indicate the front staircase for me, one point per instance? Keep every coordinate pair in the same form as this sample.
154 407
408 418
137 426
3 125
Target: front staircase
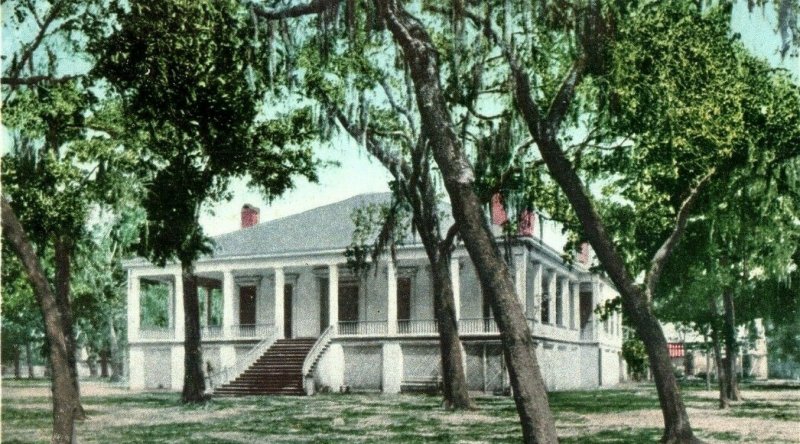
279 371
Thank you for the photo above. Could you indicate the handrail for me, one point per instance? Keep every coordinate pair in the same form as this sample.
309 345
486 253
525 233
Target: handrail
227 374
311 358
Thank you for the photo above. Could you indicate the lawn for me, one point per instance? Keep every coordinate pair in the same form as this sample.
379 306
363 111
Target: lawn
624 415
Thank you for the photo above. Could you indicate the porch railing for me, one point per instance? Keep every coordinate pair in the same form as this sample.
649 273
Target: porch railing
250 330
417 326
157 333
477 325
211 332
362 328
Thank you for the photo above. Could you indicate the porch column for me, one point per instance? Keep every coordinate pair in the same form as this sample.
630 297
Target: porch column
177 365
565 302
333 296
575 291
551 291
204 312
136 368
228 290
455 282
595 299
134 289
535 299
519 277
180 327
280 281
392 375
391 303
171 305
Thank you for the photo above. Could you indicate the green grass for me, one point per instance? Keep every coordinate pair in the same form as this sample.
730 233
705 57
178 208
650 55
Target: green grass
159 418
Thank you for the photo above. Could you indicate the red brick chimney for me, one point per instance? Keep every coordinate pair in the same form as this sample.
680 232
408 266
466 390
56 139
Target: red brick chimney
249 215
527 223
498 211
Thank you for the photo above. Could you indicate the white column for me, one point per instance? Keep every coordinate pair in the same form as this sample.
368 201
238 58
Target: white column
574 318
177 367
535 301
392 375
551 290
391 302
565 297
279 281
333 296
171 306
202 292
519 277
228 290
178 304
455 282
136 368
133 306
592 316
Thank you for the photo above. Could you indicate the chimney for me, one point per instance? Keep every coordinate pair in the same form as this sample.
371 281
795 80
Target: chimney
583 255
499 216
527 223
249 215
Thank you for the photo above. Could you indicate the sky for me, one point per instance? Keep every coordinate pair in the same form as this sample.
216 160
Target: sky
357 173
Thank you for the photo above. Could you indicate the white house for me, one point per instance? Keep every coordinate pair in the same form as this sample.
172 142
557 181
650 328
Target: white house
282 313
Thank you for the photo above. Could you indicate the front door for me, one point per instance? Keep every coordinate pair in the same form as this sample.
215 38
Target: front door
287 311
323 305
586 308
247 305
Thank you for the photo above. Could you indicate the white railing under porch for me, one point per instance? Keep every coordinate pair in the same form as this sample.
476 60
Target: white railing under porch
417 326
362 328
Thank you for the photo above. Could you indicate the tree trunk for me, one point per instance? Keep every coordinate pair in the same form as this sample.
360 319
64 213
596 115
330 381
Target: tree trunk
117 364
29 359
529 392
91 362
636 301
455 384
708 362
104 363
722 377
194 385
731 346
17 365
63 263
65 395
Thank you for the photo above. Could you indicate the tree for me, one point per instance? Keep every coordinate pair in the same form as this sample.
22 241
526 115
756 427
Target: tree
190 78
418 55
55 171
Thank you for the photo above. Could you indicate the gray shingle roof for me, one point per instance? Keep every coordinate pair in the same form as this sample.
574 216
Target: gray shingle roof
324 228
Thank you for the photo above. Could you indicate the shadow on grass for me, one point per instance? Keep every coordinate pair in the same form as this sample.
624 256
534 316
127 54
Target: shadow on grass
603 401
617 436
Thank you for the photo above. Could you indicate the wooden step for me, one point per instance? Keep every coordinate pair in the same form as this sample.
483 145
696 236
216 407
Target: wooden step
277 372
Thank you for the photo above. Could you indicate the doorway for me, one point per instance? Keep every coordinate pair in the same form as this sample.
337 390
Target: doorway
287 311
247 305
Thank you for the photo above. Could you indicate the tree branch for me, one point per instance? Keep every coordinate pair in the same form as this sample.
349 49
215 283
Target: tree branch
566 92
16 69
34 80
397 107
311 8
396 165
447 243
663 253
